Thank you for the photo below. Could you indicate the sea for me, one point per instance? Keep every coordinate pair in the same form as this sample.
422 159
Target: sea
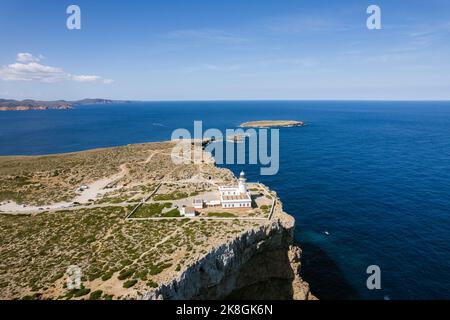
367 182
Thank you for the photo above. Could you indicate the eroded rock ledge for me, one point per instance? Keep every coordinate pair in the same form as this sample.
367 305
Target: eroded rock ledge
261 263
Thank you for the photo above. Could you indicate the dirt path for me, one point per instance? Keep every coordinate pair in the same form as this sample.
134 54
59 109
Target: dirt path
94 191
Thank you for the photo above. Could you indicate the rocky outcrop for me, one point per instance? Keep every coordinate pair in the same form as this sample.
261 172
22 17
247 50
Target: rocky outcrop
261 263
272 124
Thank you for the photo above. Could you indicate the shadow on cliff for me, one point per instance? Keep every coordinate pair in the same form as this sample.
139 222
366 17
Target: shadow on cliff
267 276
325 278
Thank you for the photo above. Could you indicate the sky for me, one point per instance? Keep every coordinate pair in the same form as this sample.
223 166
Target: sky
225 50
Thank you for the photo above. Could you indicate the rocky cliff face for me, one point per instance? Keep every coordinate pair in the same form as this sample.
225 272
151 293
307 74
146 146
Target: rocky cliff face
262 263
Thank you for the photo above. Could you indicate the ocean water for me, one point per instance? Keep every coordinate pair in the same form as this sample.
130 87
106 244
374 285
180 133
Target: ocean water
375 175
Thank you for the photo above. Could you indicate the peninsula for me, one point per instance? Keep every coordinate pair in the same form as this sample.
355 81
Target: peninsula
138 226
25 105
272 124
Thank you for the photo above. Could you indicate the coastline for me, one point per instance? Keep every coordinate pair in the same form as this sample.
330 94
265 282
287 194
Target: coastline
269 240
37 105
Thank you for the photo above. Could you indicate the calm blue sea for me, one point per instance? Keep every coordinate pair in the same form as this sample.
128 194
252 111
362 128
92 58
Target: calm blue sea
376 175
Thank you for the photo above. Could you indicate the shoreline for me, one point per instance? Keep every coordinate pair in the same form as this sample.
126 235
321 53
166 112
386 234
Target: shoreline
268 230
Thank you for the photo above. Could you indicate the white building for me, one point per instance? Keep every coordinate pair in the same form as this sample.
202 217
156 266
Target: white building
213 203
188 212
197 203
236 197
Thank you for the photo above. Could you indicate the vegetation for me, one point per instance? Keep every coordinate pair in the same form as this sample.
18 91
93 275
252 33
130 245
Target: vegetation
96 295
172 213
151 210
221 214
107 275
126 274
152 284
49 179
123 257
176 195
129 283
76 293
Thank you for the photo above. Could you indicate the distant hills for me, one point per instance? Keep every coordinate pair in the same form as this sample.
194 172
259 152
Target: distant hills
24 105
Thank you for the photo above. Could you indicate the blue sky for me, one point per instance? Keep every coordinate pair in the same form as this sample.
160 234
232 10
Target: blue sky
206 50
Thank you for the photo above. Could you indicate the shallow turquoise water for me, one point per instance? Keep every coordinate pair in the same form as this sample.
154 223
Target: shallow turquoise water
375 175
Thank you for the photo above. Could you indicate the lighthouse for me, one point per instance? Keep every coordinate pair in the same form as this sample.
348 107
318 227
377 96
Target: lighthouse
236 196
242 183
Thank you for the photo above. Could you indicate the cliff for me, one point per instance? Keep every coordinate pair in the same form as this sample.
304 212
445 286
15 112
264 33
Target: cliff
261 263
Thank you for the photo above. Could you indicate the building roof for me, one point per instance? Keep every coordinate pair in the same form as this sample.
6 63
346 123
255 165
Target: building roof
228 188
237 197
189 209
198 200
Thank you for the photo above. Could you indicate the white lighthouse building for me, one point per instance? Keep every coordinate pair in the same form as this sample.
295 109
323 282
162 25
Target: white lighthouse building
236 197
242 183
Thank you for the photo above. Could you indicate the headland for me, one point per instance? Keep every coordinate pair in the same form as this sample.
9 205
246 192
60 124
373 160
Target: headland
114 213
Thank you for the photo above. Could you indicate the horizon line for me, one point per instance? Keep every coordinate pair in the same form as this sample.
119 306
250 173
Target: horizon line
235 100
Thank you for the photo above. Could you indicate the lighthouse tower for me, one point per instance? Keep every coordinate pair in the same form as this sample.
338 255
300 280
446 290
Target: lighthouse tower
242 183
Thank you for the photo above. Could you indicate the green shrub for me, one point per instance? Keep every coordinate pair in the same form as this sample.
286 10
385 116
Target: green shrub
172 213
221 214
124 274
35 296
142 274
152 284
151 210
129 283
126 262
176 195
156 269
96 295
81 292
57 277
107 276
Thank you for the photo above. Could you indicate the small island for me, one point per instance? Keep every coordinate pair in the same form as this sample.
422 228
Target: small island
272 124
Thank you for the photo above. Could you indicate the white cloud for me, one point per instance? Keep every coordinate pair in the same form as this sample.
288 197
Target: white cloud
29 68
84 78
28 57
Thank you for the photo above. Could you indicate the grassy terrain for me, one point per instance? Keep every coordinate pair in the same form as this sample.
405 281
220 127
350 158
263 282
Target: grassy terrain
171 196
266 208
36 251
118 258
151 210
54 178
221 214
